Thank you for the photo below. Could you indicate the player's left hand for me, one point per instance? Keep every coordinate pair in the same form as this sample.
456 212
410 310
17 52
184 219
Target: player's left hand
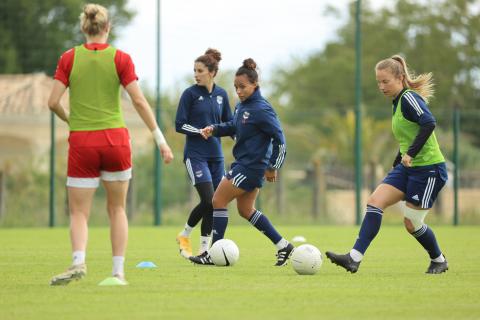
407 160
271 175
206 132
166 153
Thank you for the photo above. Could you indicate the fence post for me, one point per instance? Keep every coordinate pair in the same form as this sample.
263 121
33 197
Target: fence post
51 222
157 203
319 189
3 190
130 199
358 113
456 129
279 192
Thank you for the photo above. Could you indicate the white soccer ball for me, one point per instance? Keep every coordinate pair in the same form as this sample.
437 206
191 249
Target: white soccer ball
224 252
306 259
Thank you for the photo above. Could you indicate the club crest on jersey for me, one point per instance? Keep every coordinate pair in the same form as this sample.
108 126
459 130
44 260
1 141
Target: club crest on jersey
246 114
219 99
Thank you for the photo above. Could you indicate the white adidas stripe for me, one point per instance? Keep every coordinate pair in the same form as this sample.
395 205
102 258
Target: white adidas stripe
256 216
429 181
375 210
236 176
240 181
284 152
190 170
431 191
220 213
428 192
190 128
420 231
280 157
413 102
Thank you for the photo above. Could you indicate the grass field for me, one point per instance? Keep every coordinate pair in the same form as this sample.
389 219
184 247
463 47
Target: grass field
390 284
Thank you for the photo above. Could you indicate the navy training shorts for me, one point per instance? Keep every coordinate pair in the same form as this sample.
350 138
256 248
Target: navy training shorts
200 170
421 184
244 178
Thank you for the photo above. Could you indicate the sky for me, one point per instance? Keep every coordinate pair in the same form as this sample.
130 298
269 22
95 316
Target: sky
272 32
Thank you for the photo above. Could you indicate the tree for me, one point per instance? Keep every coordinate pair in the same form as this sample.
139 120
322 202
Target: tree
35 33
439 36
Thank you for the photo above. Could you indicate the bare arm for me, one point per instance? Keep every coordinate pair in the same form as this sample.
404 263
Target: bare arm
54 100
145 112
141 105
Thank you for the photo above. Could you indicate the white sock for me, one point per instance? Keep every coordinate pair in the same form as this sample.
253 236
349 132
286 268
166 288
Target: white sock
356 255
118 265
204 242
440 258
281 244
186 231
78 257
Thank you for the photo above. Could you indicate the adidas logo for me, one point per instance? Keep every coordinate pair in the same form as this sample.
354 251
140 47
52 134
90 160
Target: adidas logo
415 197
200 99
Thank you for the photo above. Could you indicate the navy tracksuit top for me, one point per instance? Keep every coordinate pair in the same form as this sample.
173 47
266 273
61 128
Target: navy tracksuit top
260 143
197 109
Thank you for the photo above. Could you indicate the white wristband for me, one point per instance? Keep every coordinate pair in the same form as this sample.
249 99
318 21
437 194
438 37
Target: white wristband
158 136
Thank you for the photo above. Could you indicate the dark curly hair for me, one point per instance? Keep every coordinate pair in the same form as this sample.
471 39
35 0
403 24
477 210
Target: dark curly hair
210 59
248 68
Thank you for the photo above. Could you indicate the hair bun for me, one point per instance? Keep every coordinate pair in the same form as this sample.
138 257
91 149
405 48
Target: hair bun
94 19
90 11
250 64
214 53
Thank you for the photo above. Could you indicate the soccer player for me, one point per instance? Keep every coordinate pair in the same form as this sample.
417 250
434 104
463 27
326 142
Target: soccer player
99 142
418 173
259 152
200 105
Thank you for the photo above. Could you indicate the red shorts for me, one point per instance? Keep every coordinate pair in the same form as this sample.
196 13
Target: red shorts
104 154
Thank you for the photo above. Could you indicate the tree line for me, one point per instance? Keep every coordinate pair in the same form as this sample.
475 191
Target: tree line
439 36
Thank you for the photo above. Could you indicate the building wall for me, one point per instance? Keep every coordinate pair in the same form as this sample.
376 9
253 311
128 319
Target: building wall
25 121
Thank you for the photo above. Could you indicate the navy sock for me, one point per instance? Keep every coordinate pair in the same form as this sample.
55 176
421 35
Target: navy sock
369 229
220 221
261 222
427 239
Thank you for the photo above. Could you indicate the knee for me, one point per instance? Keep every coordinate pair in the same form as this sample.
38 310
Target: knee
206 198
409 225
413 218
78 213
207 204
218 203
375 202
245 213
115 210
